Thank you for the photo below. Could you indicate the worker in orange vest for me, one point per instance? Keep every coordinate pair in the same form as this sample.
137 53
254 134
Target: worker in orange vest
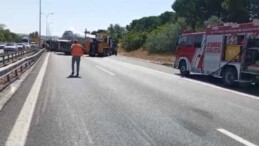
77 52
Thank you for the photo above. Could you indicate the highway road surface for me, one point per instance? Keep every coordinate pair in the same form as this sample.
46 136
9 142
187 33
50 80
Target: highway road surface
123 101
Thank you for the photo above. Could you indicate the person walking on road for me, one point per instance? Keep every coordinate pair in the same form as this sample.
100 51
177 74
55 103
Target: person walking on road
77 52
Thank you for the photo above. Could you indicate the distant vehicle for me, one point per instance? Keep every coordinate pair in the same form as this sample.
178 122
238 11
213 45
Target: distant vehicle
2 45
26 42
20 46
60 45
33 44
81 37
101 46
10 47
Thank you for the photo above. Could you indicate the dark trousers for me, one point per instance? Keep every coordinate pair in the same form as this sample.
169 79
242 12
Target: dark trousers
76 59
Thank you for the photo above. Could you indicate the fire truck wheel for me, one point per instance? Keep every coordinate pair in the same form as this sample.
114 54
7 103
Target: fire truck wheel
183 69
229 77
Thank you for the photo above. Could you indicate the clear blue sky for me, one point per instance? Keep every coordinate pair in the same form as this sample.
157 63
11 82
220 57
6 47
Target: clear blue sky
21 16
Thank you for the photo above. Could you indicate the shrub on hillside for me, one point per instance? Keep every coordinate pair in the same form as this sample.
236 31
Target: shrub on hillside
133 41
163 39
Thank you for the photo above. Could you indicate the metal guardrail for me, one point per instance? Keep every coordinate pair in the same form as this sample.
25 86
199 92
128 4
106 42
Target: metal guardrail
7 58
12 71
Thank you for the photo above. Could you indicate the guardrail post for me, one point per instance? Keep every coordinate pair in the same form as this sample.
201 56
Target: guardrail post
16 73
19 55
8 78
3 59
21 68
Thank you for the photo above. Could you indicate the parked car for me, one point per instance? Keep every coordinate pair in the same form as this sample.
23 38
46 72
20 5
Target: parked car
10 47
20 46
33 45
2 45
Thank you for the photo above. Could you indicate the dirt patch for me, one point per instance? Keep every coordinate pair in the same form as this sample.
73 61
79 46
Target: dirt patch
164 59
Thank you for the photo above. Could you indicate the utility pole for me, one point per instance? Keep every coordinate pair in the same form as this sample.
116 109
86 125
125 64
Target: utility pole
39 24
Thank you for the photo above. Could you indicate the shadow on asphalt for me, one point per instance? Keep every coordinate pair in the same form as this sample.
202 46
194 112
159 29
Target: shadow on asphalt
61 54
248 89
73 77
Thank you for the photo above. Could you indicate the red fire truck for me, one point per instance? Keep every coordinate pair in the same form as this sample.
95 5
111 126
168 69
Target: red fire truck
230 52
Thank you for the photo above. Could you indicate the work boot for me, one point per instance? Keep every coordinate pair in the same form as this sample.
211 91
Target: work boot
72 74
77 75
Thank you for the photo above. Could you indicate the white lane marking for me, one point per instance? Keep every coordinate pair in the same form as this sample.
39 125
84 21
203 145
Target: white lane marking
89 138
19 133
105 70
235 137
191 80
149 139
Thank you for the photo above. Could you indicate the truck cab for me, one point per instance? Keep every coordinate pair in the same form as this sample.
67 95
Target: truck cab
26 42
189 53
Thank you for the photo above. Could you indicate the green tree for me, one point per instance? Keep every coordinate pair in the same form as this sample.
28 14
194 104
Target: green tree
6 35
197 11
144 24
116 32
189 10
1 37
2 26
34 36
133 41
213 21
163 39
168 17
236 10
253 9
99 32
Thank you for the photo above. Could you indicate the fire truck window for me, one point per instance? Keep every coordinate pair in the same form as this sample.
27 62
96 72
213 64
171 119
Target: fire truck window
182 41
178 41
198 41
240 40
253 43
189 42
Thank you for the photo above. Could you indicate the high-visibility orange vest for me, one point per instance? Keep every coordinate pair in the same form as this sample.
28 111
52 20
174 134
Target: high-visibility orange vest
77 50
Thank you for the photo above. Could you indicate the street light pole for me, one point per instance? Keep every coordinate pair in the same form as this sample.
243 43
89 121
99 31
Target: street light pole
39 24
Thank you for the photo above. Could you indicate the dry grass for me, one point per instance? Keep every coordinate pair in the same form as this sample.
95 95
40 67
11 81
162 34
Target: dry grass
165 59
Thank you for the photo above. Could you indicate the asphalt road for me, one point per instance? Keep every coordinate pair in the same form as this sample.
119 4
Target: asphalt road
123 101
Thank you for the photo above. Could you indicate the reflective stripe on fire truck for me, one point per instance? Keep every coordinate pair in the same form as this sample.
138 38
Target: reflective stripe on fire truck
255 35
231 39
196 62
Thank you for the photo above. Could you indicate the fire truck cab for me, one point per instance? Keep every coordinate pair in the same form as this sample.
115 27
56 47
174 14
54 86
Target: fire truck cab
230 52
